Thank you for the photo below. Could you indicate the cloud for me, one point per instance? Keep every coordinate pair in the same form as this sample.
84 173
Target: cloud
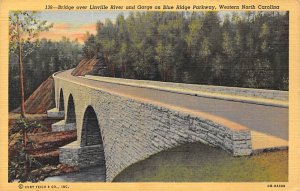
81 37
51 35
89 27
61 26
70 31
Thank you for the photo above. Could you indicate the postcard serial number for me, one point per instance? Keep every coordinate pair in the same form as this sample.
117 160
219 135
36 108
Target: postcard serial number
276 186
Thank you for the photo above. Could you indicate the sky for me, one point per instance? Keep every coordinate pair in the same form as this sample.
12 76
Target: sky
74 24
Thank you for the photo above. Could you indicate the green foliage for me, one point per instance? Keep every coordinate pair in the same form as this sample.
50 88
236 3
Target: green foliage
24 27
260 74
40 58
21 163
45 59
236 49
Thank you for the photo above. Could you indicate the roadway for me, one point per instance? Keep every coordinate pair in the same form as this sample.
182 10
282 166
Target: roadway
266 119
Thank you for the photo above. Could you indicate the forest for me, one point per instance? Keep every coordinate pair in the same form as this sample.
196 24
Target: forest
243 49
44 59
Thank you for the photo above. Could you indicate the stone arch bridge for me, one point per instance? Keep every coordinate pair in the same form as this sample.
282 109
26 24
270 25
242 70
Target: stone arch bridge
120 122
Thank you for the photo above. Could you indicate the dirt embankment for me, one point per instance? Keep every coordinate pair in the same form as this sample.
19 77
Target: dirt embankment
42 99
86 66
45 142
45 146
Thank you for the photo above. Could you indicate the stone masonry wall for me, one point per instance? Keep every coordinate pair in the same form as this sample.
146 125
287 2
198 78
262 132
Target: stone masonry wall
75 155
132 130
247 92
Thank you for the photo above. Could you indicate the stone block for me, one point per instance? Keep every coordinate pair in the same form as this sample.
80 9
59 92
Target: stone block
58 126
242 152
241 135
62 126
75 155
55 113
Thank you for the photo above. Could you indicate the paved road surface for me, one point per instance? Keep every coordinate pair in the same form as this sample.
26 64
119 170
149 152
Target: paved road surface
266 119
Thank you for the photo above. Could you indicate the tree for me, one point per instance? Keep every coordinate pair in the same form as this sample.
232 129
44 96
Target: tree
21 163
196 47
260 75
91 46
24 27
107 37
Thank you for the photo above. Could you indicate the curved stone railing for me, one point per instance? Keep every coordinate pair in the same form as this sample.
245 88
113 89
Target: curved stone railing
249 95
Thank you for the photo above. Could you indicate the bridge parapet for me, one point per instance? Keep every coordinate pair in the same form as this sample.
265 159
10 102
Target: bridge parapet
198 89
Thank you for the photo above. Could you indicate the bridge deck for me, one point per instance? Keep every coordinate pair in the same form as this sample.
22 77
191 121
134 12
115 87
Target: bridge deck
268 123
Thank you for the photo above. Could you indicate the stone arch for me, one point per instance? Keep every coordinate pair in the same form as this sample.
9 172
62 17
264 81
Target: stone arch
61 104
91 134
91 144
71 115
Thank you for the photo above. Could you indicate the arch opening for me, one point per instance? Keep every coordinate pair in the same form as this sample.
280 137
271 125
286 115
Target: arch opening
91 134
61 106
92 148
71 116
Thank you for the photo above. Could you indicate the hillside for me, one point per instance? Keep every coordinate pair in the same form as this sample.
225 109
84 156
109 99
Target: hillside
42 99
85 66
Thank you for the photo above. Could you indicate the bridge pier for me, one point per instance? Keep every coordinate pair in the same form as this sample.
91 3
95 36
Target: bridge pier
63 126
87 152
55 113
82 156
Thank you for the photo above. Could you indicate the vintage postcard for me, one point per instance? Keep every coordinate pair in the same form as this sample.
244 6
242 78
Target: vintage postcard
149 95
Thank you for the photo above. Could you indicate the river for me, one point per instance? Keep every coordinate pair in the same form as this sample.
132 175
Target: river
92 174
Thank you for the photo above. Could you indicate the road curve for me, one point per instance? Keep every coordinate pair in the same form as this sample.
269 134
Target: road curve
270 120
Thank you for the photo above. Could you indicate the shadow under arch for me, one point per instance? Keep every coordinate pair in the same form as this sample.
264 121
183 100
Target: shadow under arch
61 105
91 141
71 116
91 134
